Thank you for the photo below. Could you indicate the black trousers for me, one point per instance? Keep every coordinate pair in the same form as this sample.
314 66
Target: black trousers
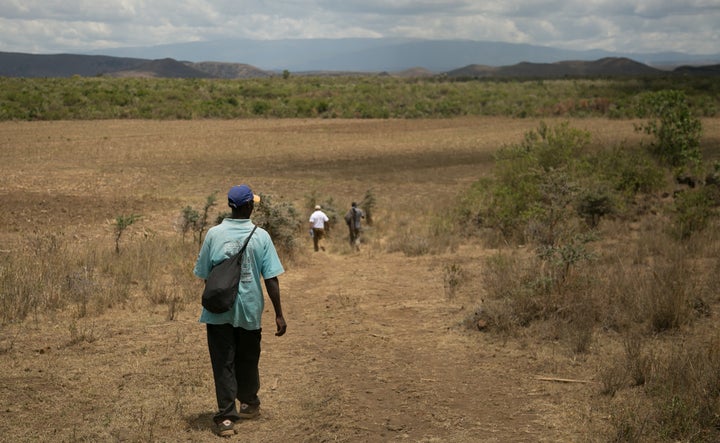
234 355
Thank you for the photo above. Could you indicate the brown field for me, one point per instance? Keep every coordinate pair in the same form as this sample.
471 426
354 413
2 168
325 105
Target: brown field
375 349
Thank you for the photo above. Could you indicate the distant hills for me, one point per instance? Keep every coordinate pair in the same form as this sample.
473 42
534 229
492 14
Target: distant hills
66 65
606 67
231 59
386 54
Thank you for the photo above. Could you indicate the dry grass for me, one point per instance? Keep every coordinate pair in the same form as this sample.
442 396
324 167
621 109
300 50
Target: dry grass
109 347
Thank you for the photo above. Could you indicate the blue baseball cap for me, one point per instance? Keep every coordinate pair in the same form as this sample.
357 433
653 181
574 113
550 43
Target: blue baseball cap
239 195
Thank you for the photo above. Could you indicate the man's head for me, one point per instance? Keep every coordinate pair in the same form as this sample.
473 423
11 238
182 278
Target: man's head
317 207
242 201
354 204
241 194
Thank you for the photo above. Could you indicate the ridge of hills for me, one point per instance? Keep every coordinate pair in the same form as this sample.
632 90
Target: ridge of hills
67 65
610 66
387 54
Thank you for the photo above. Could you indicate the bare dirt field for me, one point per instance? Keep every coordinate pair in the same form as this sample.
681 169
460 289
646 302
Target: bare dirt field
375 351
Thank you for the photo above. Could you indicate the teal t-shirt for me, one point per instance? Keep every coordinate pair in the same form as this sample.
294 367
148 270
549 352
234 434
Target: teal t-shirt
260 262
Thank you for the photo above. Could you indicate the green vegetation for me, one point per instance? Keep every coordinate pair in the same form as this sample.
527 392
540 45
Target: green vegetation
550 195
82 98
189 220
202 222
676 130
122 222
535 183
282 221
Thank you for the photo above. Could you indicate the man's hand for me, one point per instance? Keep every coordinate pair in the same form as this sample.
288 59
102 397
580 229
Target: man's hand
273 289
281 325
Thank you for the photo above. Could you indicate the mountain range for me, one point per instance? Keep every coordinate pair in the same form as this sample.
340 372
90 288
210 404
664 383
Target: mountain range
406 57
385 54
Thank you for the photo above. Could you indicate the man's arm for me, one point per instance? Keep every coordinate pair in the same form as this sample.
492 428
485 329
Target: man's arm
273 289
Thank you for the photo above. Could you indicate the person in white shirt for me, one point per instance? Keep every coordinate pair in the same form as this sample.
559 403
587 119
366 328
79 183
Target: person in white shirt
318 220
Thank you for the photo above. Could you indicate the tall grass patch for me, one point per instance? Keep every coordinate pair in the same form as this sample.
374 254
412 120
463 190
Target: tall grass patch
676 397
33 278
43 276
417 235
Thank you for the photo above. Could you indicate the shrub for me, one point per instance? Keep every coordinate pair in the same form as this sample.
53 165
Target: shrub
512 302
281 221
523 290
453 276
593 204
201 223
189 219
627 170
563 258
470 206
692 211
533 184
676 130
548 218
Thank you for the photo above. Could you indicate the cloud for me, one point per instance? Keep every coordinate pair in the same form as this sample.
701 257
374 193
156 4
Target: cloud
71 11
396 7
640 26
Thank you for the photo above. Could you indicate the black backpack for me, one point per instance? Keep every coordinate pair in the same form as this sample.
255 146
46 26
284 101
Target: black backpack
221 286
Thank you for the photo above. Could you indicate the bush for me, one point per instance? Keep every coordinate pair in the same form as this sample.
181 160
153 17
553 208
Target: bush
523 290
533 184
593 204
281 221
188 220
676 130
692 211
627 170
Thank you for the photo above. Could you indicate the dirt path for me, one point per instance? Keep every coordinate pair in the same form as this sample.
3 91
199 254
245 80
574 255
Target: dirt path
375 353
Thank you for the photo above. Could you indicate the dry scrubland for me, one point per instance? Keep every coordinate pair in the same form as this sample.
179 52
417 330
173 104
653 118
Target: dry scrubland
381 346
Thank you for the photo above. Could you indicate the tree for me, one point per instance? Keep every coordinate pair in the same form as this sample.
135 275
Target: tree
201 223
122 222
188 220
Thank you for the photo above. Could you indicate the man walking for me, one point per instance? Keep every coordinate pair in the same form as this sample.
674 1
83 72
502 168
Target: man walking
352 218
234 336
318 219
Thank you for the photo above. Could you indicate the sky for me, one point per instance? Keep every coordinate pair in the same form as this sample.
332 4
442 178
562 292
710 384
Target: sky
54 26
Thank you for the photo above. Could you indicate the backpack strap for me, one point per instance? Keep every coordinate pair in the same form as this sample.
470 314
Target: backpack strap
247 240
